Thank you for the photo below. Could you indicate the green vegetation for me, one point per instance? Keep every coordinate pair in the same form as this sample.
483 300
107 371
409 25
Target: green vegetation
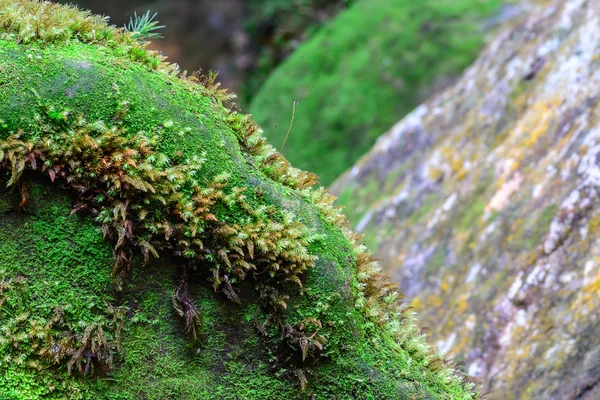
362 72
153 245
279 26
143 27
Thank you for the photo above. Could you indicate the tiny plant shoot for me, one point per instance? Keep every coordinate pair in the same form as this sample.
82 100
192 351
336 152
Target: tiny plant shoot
290 128
144 27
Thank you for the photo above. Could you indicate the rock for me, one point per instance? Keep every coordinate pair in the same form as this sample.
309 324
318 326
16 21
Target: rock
153 245
482 202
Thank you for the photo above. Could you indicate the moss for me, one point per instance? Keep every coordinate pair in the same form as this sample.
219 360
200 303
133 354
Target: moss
61 262
360 73
256 288
157 361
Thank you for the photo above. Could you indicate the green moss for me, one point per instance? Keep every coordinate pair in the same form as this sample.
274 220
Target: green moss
279 25
244 299
362 72
157 361
52 250
63 262
71 78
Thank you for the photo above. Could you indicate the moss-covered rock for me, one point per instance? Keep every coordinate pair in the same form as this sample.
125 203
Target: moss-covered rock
152 245
374 62
483 202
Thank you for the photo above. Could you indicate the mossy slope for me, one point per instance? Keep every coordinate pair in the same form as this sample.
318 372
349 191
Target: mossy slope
98 136
280 26
361 72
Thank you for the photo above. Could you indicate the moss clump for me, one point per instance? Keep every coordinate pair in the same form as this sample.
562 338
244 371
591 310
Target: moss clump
362 72
226 267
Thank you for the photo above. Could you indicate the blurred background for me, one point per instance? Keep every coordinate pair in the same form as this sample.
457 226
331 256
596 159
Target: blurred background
355 66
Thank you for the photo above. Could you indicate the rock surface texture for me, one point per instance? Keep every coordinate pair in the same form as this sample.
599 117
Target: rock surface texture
154 246
484 204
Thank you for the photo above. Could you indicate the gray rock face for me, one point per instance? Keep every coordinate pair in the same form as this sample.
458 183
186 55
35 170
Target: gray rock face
483 203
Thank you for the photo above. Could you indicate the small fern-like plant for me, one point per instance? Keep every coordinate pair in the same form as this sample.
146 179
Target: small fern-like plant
143 27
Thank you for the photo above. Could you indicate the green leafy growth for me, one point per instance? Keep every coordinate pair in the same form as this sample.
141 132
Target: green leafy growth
143 27
362 72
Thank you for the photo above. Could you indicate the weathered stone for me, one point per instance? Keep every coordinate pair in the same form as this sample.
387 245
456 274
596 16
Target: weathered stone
483 204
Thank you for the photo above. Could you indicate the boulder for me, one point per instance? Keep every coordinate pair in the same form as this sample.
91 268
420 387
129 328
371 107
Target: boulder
154 246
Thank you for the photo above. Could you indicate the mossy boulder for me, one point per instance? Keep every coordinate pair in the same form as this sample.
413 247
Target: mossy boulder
153 245
359 73
484 205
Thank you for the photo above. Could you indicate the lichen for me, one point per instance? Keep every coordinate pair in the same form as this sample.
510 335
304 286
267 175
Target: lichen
492 222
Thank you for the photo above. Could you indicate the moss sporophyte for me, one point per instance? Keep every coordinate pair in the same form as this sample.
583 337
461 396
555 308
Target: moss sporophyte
189 199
